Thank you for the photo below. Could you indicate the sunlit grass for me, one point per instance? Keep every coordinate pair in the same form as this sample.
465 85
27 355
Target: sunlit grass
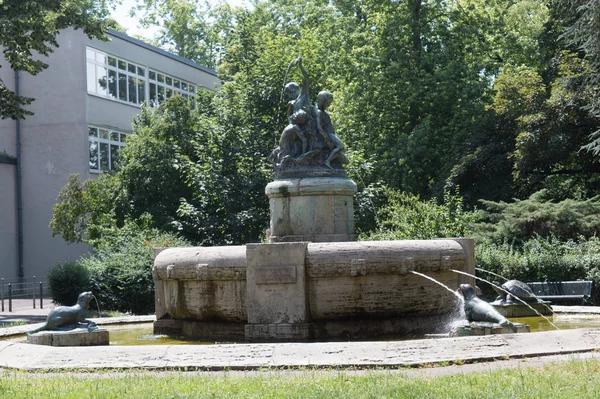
575 379
13 324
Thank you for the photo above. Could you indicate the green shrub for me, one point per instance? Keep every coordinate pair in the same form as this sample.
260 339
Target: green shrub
522 220
66 281
407 217
121 268
543 259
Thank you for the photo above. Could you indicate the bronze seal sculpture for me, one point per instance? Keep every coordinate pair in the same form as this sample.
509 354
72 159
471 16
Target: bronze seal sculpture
69 317
477 309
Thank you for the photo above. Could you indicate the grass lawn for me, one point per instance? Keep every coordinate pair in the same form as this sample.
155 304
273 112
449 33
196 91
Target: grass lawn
574 379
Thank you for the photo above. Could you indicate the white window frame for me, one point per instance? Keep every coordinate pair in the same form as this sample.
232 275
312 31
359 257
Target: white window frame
104 136
165 82
99 61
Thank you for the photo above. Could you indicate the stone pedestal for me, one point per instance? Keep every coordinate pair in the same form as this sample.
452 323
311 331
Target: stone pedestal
486 328
522 310
277 301
77 337
314 209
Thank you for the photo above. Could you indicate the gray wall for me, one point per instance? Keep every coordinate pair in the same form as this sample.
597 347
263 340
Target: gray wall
54 143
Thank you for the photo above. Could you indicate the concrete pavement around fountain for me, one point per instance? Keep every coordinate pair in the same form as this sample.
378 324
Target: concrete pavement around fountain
382 354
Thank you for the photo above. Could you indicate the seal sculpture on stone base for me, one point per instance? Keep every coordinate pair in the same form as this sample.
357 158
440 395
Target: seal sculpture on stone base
64 318
477 309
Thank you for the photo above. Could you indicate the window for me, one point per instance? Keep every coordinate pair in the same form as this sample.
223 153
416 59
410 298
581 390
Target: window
163 86
104 146
124 81
115 78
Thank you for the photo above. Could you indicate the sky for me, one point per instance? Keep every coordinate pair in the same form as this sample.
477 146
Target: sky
121 15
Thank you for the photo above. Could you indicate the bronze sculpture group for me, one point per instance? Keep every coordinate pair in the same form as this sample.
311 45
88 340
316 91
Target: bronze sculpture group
309 140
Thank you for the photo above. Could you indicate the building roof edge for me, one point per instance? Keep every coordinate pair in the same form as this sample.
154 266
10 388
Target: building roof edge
150 47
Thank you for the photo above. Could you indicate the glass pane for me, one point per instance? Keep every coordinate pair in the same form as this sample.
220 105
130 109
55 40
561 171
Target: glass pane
90 54
169 93
123 137
161 93
100 57
114 136
122 86
191 88
183 86
176 83
91 78
152 75
131 68
93 132
169 81
112 61
114 156
141 71
100 80
141 91
152 92
161 78
112 83
93 155
132 89
122 64
103 134
104 156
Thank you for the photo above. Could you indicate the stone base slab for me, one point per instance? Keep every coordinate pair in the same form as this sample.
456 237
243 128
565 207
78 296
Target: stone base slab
280 332
522 310
485 328
77 337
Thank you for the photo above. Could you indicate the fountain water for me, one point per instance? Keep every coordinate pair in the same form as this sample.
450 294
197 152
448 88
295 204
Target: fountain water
502 289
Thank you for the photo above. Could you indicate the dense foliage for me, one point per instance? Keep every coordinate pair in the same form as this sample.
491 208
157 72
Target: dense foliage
544 259
406 217
118 271
538 216
66 281
190 171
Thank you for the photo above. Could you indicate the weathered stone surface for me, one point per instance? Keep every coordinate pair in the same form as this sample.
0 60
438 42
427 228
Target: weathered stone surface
278 332
522 310
486 328
342 289
202 283
319 209
77 337
329 354
276 300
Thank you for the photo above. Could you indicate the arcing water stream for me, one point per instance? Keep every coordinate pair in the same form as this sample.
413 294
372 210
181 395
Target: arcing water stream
502 289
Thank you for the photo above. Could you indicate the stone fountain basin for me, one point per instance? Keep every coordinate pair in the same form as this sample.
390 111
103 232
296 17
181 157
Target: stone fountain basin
317 290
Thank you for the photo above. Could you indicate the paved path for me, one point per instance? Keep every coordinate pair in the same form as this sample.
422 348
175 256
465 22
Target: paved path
387 355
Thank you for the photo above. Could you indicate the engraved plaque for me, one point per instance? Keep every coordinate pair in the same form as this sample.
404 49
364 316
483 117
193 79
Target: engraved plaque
275 275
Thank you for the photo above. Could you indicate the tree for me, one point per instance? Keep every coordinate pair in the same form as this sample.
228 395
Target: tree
183 171
28 28
583 32
193 29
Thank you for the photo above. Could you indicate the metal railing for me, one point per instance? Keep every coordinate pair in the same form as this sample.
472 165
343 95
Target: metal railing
21 288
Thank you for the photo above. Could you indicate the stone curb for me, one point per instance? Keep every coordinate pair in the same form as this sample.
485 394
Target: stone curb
297 355
102 321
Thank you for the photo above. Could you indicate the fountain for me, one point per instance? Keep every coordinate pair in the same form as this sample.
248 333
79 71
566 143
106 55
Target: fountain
311 280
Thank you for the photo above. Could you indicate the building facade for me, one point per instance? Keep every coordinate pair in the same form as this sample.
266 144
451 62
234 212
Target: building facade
84 105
